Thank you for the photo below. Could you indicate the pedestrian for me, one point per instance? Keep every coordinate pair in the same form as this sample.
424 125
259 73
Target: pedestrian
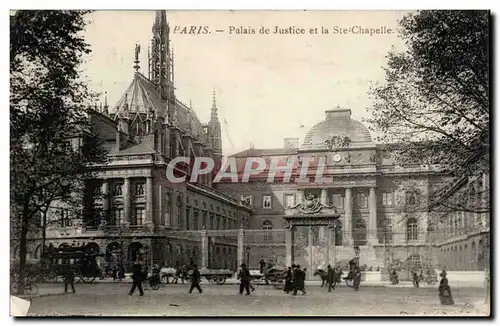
357 278
195 279
121 272
298 280
330 277
244 277
69 279
445 291
114 273
288 280
137 278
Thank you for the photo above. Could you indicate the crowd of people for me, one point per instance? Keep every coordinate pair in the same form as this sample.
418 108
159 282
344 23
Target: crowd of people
294 278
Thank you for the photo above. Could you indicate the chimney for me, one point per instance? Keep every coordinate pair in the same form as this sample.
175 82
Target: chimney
291 143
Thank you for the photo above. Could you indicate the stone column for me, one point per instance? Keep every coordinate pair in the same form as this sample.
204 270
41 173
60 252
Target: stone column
328 236
347 222
372 219
289 246
332 252
322 229
310 251
105 197
149 201
204 249
126 200
241 247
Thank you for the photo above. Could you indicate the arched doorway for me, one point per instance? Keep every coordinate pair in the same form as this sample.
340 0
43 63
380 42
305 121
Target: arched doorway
134 252
114 254
92 247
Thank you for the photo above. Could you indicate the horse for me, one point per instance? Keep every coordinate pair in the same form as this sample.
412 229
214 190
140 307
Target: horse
323 275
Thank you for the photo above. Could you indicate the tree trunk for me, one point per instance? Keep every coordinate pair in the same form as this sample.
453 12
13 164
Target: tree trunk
22 252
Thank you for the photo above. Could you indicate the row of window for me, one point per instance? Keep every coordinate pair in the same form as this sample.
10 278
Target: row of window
117 189
361 200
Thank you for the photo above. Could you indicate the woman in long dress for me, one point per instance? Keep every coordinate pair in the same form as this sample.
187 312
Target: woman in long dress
444 290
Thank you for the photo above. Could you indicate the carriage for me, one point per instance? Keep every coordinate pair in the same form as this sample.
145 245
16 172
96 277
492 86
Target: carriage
83 264
276 276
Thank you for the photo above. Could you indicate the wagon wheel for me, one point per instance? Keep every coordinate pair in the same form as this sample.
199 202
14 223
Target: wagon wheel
221 280
213 279
87 279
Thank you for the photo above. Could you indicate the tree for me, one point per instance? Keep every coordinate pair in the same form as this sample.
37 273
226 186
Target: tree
434 106
52 141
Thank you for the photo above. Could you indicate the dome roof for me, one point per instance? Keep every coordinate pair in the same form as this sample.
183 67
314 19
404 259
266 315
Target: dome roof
338 122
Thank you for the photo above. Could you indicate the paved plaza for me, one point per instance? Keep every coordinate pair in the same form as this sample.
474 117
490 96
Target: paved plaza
110 299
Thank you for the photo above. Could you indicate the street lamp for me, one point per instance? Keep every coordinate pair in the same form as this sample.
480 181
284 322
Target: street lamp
248 256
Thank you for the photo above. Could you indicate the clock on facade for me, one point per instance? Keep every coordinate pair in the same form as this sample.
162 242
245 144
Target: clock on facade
337 158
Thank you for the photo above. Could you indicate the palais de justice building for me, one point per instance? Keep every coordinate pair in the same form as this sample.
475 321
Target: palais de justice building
131 209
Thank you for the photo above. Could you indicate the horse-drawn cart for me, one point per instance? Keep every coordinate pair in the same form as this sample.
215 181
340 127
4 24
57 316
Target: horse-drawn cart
214 276
276 276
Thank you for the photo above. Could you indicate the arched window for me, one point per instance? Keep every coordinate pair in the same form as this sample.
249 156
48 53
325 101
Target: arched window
411 230
267 226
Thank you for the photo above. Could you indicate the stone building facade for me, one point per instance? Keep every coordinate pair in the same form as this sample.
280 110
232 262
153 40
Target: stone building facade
379 201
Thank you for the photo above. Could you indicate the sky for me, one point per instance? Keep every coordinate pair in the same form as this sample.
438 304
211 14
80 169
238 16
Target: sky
268 86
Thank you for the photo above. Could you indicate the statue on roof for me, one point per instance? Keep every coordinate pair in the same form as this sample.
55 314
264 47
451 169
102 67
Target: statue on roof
137 52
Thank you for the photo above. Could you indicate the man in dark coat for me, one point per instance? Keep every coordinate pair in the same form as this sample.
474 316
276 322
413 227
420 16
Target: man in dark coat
298 280
330 277
244 276
69 279
138 276
288 280
195 279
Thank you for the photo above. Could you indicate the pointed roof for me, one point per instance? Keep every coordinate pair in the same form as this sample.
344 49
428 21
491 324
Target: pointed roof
140 97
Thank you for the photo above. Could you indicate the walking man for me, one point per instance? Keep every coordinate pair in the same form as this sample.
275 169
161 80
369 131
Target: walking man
137 278
195 280
69 279
298 280
330 277
244 276
288 280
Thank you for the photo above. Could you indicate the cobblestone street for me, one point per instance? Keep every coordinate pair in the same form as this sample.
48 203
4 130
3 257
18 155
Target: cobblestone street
173 300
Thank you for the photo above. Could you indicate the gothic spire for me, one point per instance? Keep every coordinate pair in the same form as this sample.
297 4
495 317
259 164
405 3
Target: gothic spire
160 64
106 111
213 114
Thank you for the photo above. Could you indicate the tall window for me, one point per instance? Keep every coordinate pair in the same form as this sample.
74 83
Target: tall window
362 200
65 218
266 202
387 199
267 226
116 216
117 189
338 201
139 189
179 214
289 200
138 216
414 260
411 230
